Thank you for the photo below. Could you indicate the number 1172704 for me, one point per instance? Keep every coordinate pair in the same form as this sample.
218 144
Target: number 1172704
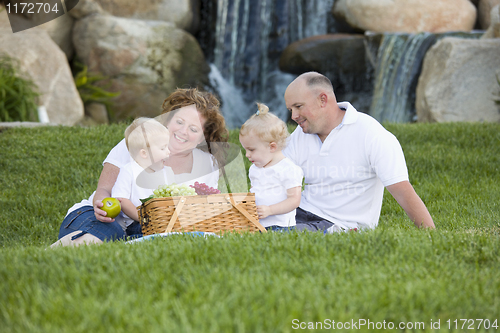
32 8
471 324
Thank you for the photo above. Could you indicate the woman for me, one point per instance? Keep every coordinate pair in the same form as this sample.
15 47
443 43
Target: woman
195 122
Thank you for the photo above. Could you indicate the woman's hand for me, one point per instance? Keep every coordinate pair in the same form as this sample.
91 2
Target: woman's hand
100 215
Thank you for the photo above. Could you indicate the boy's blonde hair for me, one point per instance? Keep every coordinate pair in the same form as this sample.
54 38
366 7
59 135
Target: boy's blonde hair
140 134
266 126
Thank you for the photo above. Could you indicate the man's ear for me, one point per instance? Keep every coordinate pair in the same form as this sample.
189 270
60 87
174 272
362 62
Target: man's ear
323 99
273 146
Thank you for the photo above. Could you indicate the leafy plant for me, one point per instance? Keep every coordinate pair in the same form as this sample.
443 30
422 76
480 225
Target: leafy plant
18 94
90 92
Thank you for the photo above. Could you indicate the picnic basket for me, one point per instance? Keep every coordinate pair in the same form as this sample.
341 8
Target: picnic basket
207 213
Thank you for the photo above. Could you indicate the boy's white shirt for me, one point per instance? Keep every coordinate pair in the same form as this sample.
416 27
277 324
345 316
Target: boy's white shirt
126 186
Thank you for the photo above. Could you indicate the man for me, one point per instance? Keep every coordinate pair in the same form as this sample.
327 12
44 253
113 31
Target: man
347 158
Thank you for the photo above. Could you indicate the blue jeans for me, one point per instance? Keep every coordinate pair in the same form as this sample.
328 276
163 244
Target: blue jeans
308 221
83 219
134 230
280 229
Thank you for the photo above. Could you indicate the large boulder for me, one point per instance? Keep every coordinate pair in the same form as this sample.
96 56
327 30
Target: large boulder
340 57
494 28
144 60
59 29
43 61
183 13
459 81
85 8
407 15
484 12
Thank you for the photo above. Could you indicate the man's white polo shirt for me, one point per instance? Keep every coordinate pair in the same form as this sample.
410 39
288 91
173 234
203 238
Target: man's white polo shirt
346 174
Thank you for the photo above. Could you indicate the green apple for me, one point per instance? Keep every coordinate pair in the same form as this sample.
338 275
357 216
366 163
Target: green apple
112 207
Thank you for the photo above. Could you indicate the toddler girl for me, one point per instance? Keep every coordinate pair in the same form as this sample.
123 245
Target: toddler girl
276 180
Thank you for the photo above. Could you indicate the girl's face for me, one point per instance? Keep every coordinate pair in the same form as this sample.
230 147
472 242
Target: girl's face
257 151
186 129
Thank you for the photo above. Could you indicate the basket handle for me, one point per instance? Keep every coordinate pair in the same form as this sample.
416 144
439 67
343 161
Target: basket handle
143 217
176 214
243 211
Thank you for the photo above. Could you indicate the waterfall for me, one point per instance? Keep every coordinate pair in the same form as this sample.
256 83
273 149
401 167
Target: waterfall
247 37
400 60
399 64
250 36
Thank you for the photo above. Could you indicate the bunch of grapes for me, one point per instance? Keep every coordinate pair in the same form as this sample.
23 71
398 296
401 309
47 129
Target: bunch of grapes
204 189
173 190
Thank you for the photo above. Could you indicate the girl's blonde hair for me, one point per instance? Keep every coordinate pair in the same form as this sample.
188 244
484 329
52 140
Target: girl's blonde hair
141 133
266 126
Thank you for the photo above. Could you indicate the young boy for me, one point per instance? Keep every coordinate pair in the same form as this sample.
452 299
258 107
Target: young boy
147 142
276 180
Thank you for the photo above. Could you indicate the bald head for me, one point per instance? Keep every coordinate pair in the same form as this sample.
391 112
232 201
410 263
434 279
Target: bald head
314 81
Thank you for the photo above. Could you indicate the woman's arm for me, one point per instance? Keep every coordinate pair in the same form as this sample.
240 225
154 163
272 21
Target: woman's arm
107 179
290 203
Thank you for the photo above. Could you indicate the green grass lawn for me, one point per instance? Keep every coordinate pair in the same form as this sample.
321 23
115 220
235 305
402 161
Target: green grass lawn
253 282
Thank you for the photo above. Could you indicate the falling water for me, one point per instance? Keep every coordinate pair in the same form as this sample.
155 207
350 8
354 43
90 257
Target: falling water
399 64
400 60
249 38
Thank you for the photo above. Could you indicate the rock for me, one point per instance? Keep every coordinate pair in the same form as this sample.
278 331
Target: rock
484 12
494 29
182 13
459 81
59 29
407 15
44 62
98 112
85 8
340 57
144 60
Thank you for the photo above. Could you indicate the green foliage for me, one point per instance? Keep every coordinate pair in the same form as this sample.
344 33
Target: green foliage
89 89
250 282
18 94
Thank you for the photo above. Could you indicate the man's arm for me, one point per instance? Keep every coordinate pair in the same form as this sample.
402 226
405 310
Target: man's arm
414 207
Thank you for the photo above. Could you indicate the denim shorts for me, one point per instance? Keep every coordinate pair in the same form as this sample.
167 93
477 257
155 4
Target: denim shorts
280 229
308 221
83 219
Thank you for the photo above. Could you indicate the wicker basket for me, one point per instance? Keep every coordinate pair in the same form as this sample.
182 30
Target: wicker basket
207 213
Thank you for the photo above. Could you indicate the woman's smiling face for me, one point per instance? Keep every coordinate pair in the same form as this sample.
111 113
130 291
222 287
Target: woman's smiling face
186 129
